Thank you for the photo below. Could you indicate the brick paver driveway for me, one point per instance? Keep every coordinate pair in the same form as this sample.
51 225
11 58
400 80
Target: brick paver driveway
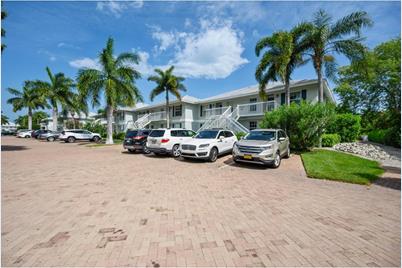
70 205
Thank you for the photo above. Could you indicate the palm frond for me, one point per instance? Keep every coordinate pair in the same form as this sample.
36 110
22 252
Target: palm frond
351 23
127 57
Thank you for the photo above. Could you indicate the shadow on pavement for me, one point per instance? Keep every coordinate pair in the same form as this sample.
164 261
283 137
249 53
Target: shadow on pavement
6 148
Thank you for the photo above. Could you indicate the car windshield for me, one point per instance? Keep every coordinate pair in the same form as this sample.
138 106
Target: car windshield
131 133
157 133
207 134
261 135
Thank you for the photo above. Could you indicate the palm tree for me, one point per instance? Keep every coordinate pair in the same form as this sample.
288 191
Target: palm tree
30 97
4 119
77 106
326 38
58 92
284 53
167 83
115 79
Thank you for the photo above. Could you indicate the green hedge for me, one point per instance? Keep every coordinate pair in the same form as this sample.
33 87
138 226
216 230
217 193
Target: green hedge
119 136
304 123
347 126
239 135
329 140
390 136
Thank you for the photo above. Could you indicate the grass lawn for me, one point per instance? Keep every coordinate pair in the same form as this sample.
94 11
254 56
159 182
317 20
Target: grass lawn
330 165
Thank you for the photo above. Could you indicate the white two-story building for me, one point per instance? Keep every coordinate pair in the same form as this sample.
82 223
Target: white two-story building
245 103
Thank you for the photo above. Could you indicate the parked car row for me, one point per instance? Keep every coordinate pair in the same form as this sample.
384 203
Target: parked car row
262 146
70 136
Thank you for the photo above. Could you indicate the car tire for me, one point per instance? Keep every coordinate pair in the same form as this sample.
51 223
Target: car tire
287 155
50 139
213 155
146 150
96 139
70 139
27 136
131 150
277 160
175 150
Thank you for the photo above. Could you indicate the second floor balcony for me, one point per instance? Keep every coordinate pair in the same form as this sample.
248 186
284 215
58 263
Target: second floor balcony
256 108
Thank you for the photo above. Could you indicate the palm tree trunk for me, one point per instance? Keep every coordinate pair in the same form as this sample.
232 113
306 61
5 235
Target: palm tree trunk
54 116
29 118
109 119
287 92
320 85
167 110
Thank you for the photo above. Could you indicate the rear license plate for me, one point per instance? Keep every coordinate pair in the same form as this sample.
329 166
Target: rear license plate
153 141
247 156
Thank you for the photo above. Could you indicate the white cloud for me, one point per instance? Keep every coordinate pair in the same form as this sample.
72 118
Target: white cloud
166 39
213 52
52 58
67 45
85 63
116 8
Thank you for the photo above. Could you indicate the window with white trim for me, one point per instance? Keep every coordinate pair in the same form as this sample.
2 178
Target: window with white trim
253 125
253 108
178 110
295 97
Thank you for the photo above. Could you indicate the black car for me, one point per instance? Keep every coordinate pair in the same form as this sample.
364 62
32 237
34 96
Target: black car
35 134
135 140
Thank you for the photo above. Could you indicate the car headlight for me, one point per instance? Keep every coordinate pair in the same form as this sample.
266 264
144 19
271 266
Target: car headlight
204 145
266 147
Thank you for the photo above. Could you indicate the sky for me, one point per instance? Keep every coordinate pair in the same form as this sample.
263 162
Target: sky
211 44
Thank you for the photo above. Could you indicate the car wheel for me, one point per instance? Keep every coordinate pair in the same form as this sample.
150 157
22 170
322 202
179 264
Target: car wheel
96 139
277 160
131 150
146 150
213 155
175 151
287 155
27 136
50 139
71 139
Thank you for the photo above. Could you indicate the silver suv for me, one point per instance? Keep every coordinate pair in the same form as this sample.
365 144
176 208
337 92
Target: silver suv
262 146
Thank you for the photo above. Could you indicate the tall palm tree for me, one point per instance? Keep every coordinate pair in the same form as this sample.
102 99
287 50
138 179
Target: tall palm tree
115 79
58 92
30 97
342 37
167 83
284 53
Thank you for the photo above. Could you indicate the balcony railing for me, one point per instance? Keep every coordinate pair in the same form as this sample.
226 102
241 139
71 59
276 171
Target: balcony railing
214 111
157 116
256 108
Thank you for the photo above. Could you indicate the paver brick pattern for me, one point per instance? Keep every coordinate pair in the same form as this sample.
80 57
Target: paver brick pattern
70 205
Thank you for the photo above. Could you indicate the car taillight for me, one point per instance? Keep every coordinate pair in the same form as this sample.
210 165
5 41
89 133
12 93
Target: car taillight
138 137
164 140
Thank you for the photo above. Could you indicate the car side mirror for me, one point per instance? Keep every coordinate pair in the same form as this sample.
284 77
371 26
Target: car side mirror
282 139
221 138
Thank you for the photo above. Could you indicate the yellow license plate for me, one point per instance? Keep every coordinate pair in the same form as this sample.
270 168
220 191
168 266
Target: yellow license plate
246 156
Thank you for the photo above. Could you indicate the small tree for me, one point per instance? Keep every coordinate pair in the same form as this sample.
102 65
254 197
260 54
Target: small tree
304 123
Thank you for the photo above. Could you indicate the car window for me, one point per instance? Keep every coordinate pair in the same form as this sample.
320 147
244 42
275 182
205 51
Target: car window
77 131
207 134
189 133
260 135
228 134
156 133
281 134
131 133
176 133
146 132
86 132
221 133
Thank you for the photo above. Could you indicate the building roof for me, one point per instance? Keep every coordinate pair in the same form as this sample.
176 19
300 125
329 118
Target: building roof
184 99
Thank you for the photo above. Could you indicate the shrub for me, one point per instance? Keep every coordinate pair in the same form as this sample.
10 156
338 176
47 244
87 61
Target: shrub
119 136
329 140
304 123
390 136
347 126
239 135
96 127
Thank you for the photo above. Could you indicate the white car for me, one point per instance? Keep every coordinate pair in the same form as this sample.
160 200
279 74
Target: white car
208 144
25 134
79 134
167 141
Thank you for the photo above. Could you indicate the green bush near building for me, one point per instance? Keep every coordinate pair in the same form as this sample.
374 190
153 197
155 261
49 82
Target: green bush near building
347 125
329 140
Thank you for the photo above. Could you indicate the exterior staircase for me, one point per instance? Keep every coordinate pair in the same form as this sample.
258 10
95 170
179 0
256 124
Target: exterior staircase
144 120
226 120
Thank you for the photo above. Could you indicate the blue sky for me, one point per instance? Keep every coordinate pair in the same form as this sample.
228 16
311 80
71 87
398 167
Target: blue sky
211 44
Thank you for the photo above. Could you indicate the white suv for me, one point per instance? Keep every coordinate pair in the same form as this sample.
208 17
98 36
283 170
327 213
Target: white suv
167 141
208 144
79 134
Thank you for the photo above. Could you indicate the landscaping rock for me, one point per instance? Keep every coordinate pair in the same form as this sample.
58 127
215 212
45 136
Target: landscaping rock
364 149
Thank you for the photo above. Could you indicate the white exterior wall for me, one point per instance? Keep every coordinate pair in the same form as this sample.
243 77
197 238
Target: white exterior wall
191 118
